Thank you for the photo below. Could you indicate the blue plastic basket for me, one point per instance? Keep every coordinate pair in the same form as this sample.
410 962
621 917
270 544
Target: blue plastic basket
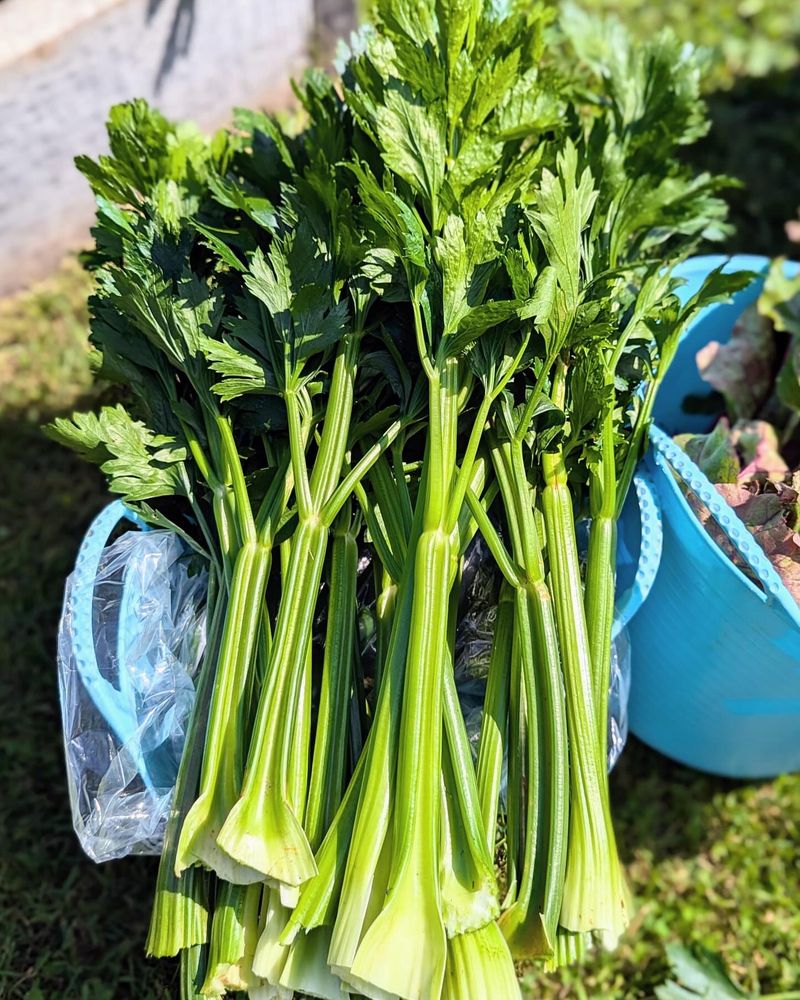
673 411
715 655
639 543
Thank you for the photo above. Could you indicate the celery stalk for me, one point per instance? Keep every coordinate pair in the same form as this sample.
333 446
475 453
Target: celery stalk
373 813
307 972
234 933
192 971
271 954
327 772
594 892
493 733
262 831
601 574
469 885
538 740
221 772
179 918
479 965
412 911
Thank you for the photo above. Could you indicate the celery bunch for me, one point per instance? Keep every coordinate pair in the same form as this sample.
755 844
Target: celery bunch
442 308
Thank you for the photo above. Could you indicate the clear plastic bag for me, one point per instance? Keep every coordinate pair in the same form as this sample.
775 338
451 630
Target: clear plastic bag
131 636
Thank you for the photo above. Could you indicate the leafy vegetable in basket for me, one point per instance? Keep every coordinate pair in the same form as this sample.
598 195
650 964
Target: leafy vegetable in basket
754 463
444 307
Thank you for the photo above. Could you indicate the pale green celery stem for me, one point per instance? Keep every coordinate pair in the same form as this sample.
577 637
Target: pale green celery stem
600 576
466 471
297 450
221 774
354 476
244 510
223 514
354 842
262 830
413 906
520 922
636 445
512 574
419 333
384 610
536 395
297 763
306 972
275 501
179 918
192 971
328 768
469 885
358 714
221 484
197 510
402 492
349 855
538 721
516 834
565 573
226 530
320 895
480 967
545 695
594 896
392 511
377 533
494 722
336 430
469 862
234 935
467 524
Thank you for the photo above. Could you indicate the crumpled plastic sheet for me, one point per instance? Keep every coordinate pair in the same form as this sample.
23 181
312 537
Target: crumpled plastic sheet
148 625
478 612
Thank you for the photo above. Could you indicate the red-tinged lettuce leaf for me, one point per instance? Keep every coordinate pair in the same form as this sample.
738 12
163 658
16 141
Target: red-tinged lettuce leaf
715 453
771 517
762 494
762 513
757 444
741 370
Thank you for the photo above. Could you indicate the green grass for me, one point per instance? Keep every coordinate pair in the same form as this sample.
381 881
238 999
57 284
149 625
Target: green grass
69 929
709 860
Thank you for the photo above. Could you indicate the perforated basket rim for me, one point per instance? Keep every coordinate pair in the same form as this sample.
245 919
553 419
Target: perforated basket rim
668 458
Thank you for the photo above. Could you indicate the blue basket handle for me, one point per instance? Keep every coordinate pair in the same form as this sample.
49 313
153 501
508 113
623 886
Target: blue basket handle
117 705
650 547
666 454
